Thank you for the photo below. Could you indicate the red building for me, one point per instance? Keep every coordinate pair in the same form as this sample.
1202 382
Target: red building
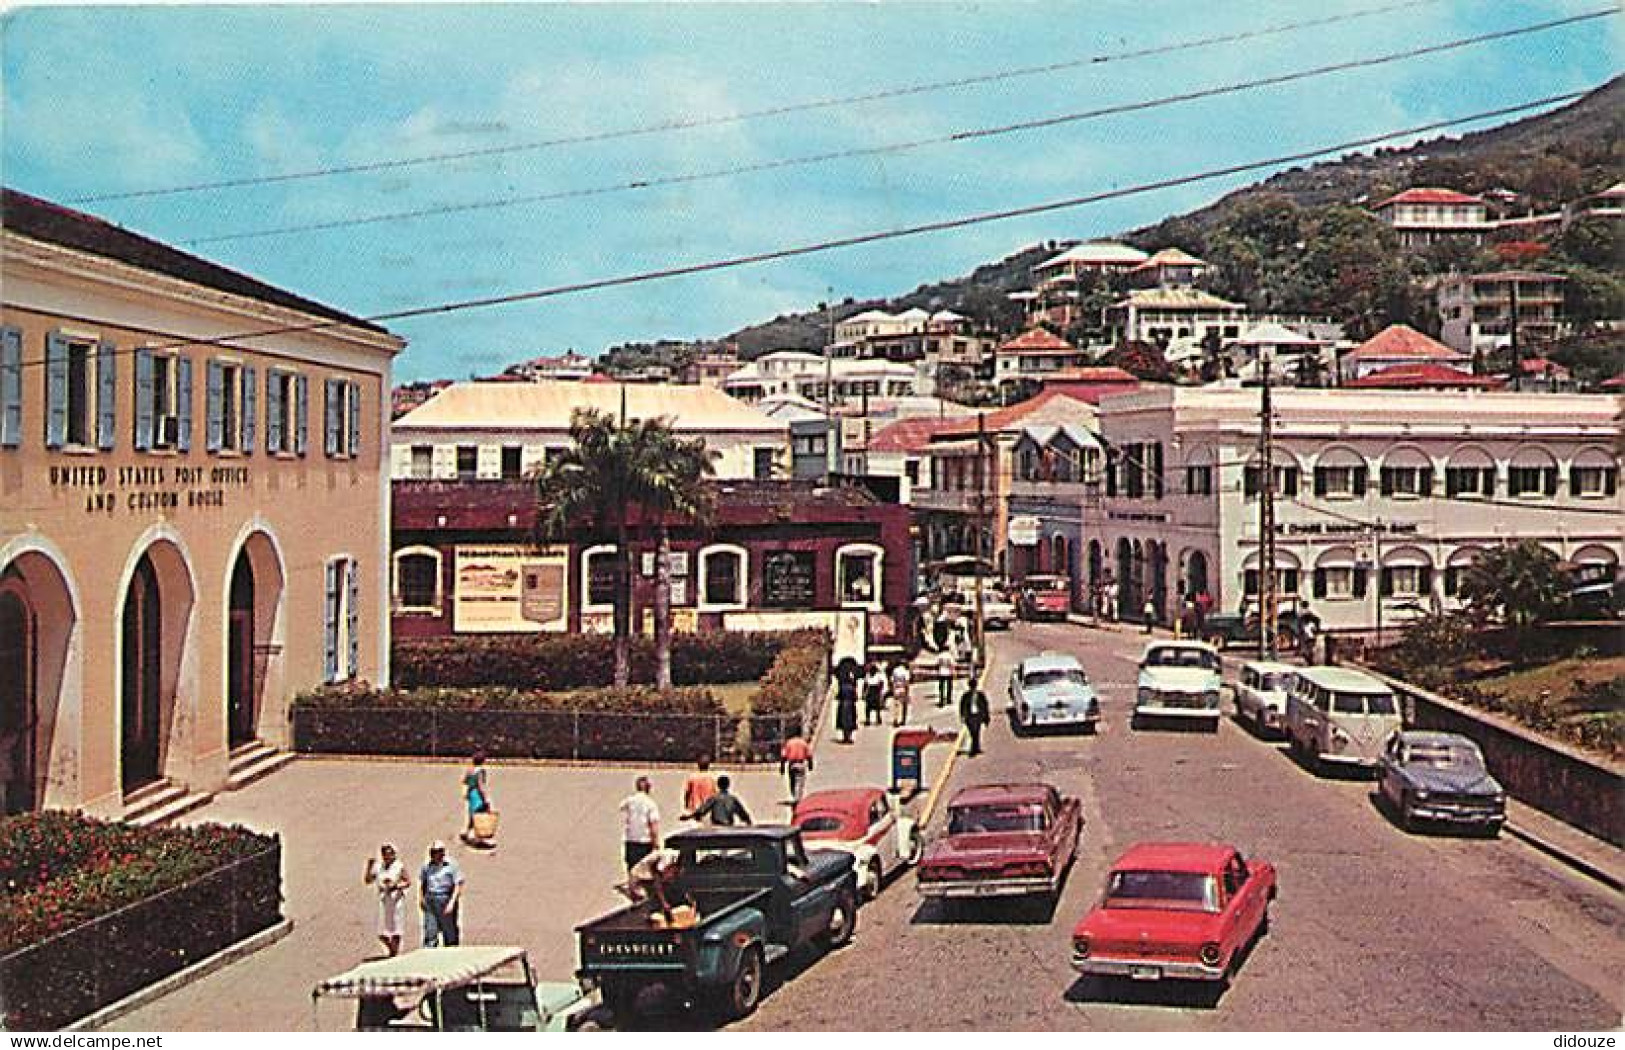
776 555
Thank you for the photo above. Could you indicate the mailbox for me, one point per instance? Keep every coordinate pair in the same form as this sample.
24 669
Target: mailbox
907 755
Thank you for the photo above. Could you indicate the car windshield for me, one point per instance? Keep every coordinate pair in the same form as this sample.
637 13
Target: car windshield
829 826
1362 704
1444 756
979 820
1273 683
1063 676
1184 890
1048 586
1170 656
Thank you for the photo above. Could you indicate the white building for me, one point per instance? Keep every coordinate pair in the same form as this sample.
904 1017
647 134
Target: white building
794 372
1475 310
1384 496
1177 319
504 431
1425 215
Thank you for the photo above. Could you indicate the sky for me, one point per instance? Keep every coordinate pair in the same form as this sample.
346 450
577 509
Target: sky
106 100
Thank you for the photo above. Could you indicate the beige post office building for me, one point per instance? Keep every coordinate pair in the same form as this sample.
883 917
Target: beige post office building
193 514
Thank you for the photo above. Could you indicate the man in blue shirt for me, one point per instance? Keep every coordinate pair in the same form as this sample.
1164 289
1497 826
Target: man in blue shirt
440 891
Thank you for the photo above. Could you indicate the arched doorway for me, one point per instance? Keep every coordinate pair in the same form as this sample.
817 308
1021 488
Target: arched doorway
18 715
241 694
1158 555
1196 581
1094 577
1125 577
142 682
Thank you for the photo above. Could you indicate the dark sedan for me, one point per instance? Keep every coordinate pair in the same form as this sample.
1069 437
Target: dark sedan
1429 777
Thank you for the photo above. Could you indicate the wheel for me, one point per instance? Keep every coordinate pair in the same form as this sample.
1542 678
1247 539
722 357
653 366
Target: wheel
915 846
1407 819
875 876
744 992
843 921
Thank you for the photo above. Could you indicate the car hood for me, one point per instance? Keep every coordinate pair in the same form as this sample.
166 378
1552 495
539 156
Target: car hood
1071 695
986 847
1184 679
1454 781
1149 927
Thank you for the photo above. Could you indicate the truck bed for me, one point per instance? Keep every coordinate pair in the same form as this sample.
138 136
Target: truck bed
634 918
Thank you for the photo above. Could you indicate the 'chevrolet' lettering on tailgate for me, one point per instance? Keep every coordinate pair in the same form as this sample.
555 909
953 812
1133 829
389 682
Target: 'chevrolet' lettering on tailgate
635 948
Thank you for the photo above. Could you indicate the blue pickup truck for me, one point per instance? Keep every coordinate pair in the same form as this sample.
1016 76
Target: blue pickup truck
759 894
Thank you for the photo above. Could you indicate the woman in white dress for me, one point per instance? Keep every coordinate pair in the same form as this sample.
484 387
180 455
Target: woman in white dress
388 874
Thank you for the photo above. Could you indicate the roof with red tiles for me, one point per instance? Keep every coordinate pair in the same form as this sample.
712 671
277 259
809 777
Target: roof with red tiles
1430 195
1542 366
1036 341
1401 342
1047 403
1422 376
1170 257
908 435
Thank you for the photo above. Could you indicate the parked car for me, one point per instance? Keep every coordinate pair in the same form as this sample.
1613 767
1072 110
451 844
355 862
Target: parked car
1434 777
1338 716
1050 691
1224 629
1044 598
1261 690
998 611
1178 680
1175 910
464 989
866 822
759 895
1003 840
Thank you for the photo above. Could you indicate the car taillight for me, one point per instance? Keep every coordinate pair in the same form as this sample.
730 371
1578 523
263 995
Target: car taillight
1029 869
1210 954
1080 947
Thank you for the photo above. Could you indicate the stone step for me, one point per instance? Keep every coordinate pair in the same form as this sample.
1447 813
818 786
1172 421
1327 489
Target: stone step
253 761
183 802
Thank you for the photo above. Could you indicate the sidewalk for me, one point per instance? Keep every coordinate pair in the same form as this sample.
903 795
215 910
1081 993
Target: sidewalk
867 760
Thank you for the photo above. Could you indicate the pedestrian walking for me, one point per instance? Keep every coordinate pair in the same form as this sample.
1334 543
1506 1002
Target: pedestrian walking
1111 601
1204 605
440 896
722 809
1148 612
847 678
387 875
795 762
901 682
945 674
700 785
476 793
974 712
874 693
640 823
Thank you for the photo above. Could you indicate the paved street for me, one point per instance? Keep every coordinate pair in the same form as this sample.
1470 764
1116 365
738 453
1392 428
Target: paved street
1374 929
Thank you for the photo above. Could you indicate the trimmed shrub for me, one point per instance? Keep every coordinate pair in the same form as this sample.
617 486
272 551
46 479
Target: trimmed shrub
560 662
779 705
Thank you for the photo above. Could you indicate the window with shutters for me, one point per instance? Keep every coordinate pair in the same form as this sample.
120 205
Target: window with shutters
1336 581
511 458
468 462
11 388
282 415
81 394
1405 581
1199 481
423 461
1252 478
165 413
230 400
1530 482
1335 482
231 407
1469 482
1405 482
342 418
341 635
162 400
1591 482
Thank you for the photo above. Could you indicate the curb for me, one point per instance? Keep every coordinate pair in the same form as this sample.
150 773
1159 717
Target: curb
1565 857
196 972
960 740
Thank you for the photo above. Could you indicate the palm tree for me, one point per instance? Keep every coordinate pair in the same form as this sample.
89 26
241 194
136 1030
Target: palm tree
608 469
1519 584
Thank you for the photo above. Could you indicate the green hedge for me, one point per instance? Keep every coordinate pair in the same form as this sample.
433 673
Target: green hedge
688 700
60 869
558 662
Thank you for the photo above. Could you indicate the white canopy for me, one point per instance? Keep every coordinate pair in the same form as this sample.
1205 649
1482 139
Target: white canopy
419 972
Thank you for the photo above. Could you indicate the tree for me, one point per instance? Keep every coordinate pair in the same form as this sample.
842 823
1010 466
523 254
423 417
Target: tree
1518 584
667 482
1142 360
608 469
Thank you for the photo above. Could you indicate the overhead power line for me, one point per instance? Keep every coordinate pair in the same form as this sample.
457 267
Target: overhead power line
817 247
715 120
651 182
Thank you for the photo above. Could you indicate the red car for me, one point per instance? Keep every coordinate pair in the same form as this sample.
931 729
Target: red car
1045 598
1004 840
1179 910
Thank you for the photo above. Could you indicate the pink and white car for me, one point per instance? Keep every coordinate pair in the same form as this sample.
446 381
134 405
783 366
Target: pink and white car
865 822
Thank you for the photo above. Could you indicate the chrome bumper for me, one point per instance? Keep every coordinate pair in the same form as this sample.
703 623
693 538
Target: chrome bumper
1147 971
1458 816
961 889
1150 711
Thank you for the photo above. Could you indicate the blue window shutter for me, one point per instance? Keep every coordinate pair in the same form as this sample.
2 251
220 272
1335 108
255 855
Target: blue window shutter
183 404
353 402
11 387
330 411
106 394
143 400
250 380
215 394
330 625
56 390
301 412
273 412
352 614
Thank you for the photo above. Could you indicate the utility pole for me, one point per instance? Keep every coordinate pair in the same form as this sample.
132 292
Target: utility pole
1512 327
829 386
1266 514
981 531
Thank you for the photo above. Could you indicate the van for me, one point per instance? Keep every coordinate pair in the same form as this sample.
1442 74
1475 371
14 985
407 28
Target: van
1339 717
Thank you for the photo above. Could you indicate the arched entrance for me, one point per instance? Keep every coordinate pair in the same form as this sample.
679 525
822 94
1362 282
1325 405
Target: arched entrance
142 682
241 694
1196 581
1157 553
18 716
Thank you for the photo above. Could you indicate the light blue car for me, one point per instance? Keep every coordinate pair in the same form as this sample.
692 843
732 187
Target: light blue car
1050 691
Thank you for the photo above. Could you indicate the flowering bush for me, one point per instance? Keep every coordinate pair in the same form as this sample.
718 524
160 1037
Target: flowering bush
60 869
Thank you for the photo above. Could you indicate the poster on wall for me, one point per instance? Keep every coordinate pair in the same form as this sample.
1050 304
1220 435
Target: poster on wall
509 588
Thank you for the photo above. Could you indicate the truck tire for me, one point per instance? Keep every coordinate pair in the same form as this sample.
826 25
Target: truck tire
742 994
876 877
843 921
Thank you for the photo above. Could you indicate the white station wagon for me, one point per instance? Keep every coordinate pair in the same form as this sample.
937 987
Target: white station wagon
1178 680
1261 690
